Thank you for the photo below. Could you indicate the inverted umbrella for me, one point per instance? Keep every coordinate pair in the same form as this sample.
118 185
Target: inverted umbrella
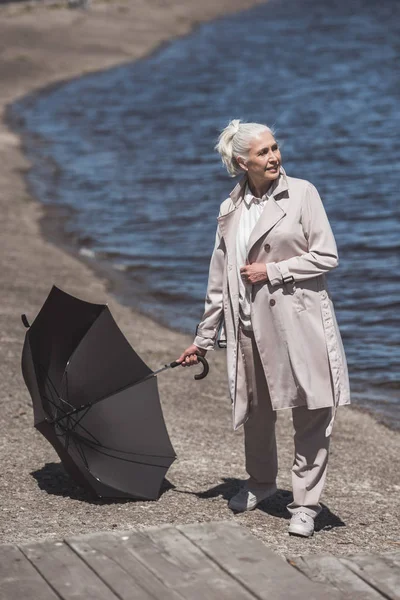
96 400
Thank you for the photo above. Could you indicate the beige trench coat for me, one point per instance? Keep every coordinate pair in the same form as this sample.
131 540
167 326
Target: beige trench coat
293 321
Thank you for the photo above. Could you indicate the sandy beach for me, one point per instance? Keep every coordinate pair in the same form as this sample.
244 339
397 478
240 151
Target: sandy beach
41 45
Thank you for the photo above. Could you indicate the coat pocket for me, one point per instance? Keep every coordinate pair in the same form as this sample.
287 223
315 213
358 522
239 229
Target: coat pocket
299 302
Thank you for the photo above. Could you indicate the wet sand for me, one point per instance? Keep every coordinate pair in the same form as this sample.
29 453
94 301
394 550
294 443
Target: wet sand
40 46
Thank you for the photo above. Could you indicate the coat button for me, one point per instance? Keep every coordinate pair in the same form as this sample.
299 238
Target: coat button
272 302
267 247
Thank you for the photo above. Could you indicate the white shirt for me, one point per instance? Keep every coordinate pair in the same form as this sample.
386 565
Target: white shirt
251 212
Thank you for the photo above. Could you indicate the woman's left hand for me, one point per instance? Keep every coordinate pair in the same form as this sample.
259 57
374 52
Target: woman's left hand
255 273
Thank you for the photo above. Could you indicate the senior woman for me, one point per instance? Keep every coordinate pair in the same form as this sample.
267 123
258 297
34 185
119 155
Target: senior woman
267 287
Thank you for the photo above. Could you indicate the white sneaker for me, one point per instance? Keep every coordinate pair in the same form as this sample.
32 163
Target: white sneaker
248 498
301 524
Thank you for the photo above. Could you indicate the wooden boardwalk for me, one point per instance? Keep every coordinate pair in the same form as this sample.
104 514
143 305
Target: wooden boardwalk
208 561
364 576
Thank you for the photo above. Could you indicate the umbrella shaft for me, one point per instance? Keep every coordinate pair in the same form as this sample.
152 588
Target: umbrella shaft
159 371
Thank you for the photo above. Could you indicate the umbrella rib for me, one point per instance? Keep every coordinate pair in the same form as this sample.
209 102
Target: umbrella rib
70 437
46 379
78 421
56 406
90 404
92 444
66 387
139 462
46 382
75 423
71 432
81 453
67 440
66 415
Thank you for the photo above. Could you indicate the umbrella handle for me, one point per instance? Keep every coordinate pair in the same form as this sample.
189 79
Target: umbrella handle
203 361
25 321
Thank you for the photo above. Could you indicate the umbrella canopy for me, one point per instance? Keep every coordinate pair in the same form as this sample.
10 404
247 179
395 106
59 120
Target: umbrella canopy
95 399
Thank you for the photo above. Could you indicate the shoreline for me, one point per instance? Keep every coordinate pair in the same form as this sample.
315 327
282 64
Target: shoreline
53 216
38 499
52 228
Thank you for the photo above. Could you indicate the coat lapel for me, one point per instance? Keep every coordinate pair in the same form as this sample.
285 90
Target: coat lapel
271 214
228 225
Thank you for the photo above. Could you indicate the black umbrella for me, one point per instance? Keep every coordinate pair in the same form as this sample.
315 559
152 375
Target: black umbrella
95 400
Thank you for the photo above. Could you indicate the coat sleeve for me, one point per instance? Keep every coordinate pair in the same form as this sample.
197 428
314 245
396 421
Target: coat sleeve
211 321
322 255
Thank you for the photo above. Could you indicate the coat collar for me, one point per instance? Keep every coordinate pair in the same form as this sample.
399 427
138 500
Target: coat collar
249 199
279 185
238 191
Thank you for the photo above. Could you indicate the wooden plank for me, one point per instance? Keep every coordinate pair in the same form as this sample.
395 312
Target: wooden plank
250 562
65 572
181 565
108 556
330 570
19 580
379 572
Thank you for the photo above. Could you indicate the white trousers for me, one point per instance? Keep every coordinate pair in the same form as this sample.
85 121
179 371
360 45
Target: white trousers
311 447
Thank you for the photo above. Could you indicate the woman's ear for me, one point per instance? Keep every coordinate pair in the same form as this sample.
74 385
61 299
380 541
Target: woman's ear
242 163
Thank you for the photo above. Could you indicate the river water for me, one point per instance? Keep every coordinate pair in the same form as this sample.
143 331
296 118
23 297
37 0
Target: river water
129 154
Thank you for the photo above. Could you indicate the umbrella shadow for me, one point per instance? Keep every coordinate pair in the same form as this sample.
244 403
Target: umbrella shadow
53 479
275 505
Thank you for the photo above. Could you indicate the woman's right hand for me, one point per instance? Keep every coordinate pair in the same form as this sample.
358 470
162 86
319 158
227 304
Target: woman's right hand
189 358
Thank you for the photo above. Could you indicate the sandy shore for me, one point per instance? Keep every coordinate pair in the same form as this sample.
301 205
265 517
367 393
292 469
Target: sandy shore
39 46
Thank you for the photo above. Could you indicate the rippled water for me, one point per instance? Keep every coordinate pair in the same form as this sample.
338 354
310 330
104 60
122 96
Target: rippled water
130 151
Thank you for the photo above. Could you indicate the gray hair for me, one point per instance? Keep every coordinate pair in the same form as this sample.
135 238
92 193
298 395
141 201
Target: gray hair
234 141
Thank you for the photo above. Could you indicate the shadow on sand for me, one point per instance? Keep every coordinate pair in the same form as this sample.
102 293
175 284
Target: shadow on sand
53 479
275 505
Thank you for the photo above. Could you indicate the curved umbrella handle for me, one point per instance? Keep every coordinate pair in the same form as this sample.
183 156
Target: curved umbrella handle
206 368
203 361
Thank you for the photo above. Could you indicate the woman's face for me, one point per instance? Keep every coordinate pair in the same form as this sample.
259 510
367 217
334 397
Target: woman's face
264 159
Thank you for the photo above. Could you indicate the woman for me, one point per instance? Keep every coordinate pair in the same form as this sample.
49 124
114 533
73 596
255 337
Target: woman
267 286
